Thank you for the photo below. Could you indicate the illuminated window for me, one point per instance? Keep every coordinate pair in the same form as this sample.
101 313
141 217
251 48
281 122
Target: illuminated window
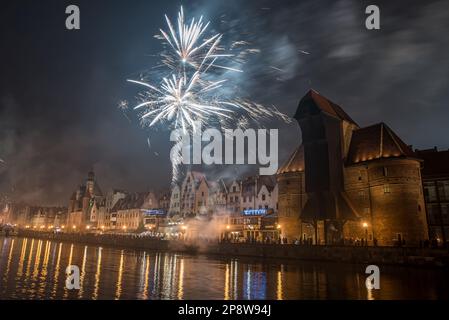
387 188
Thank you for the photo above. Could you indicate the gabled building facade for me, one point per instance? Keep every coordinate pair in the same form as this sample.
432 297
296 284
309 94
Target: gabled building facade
175 202
194 195
435 175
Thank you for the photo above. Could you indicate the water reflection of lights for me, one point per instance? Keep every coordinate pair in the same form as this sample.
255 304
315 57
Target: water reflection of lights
157 267
66 291
146 270
28 267
226 293
166 277
255 285
9 257
279 287
170 271
181 279
118 291
97 275
57 268
83 273
44 271
37 261
22 259
248 284
231 279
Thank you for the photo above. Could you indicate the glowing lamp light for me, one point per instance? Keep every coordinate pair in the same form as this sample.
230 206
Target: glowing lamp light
278 226
62 227
73 227
184 227
365 225
228 227
88 227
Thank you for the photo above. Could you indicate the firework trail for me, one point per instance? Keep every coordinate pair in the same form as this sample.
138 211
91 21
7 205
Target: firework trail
196 83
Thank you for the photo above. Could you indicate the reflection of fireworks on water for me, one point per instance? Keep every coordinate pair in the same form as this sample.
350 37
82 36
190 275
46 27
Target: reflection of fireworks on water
196 85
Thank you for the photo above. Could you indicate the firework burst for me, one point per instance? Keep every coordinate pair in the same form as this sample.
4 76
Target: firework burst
196 82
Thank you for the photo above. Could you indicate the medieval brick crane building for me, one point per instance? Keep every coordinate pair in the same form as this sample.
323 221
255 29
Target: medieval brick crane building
345 182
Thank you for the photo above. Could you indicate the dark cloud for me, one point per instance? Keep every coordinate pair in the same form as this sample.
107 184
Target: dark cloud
59 90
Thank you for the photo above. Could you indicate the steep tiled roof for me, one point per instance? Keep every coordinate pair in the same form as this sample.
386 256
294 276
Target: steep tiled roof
266 181
131 201
376 142
248 184
198 176
324 105
218 186
295 163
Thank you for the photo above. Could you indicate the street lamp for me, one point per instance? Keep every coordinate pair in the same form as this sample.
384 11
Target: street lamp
365 226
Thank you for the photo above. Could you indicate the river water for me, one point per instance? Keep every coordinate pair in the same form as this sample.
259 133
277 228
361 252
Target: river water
35 269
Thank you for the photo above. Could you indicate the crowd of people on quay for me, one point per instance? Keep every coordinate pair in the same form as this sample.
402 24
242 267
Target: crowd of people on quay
117 238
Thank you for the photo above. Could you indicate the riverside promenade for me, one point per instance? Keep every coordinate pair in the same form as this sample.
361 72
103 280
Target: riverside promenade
409 256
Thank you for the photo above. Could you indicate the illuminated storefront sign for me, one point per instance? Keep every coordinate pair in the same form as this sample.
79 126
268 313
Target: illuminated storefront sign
153 212
257 212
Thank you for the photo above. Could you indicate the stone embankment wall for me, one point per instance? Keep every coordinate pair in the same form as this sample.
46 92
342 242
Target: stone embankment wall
347 254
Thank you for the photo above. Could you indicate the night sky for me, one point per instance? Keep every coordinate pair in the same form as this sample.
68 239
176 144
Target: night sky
59 89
